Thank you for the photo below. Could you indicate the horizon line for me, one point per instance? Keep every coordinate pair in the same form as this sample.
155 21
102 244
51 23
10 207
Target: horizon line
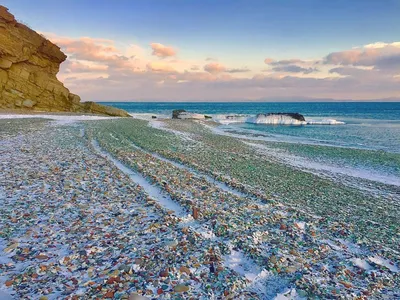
252 101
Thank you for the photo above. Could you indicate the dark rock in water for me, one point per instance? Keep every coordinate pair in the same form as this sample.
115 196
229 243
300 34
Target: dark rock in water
154 117
177 112
207 117
295 116
183 114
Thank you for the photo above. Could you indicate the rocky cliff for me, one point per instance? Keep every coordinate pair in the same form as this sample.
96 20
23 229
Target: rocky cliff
29 64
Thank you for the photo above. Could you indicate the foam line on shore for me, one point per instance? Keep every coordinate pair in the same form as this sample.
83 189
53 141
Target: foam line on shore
161 125
59 119
315 167
257 136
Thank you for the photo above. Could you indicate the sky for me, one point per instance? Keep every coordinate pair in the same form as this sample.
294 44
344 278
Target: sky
218 50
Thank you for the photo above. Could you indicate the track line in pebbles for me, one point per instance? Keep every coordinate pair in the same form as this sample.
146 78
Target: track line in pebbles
257 278
223 186
152 191
74 226
262 282
313 253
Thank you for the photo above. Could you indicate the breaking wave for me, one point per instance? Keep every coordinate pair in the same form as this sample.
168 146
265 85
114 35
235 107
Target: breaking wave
273 119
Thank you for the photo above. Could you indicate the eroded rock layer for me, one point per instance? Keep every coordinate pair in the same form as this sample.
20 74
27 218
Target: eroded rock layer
29 64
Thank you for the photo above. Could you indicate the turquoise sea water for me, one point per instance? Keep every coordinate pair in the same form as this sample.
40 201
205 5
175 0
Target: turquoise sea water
368 142
368 125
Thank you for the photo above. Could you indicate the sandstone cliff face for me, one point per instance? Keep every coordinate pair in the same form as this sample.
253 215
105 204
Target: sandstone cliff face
29 64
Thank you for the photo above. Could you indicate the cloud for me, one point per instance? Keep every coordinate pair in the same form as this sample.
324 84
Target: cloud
378 45
238 70
294 69
197 76
388 63
82 67
211 59
158 66
214 68
101 69
360 75
87 54
378 55
86 48
283 62
160 50
206 86
217 68
290 66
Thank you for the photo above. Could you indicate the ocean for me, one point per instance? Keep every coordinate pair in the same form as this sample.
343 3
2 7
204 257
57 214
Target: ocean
367 145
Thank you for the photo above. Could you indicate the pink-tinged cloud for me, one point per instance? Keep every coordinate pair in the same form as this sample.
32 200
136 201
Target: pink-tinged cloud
160 67
287 62
86 48
272 62
379 55
352 57
82 67
94 54
97 69
187 87
197 76
214 68
160 50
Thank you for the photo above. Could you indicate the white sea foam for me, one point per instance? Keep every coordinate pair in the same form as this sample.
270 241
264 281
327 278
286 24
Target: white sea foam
227 119
60 119
315 167
188 115
149 116
275 120
230 119
158 124
272 119
325 122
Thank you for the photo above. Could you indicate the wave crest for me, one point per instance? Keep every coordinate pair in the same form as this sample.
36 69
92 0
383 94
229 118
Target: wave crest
274 119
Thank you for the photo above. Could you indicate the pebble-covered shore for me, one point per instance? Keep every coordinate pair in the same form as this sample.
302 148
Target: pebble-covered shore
73 226
117 208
